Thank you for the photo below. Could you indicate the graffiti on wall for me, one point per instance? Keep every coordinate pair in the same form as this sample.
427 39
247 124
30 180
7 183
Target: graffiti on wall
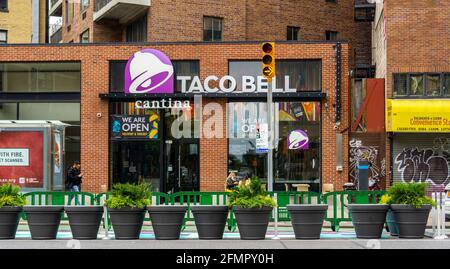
360 152
427 164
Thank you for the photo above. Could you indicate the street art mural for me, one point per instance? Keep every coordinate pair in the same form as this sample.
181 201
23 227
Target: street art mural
425 164
358 151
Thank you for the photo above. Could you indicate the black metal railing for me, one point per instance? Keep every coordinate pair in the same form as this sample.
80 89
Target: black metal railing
364 11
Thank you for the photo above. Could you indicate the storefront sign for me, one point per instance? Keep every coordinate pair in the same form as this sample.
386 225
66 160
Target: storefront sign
14 157
21 158
422 116
163 103
151 71
135 127
262 138
298 139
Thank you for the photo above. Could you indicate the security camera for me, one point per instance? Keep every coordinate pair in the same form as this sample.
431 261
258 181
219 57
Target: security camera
336 125
99 114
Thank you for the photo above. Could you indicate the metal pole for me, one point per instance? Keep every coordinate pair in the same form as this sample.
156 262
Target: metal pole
271 131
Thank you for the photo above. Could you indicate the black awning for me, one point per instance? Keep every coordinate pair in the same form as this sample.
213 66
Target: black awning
304 96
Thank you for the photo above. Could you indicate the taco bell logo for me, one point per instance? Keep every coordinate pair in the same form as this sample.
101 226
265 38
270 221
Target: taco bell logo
149 71
298 139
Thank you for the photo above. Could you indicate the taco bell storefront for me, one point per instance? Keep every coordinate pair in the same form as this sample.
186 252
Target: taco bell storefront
183 116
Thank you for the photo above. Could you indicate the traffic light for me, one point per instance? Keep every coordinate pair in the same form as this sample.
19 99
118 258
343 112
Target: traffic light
268 60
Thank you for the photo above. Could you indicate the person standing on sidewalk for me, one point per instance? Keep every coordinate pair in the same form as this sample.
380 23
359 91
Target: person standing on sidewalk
74 180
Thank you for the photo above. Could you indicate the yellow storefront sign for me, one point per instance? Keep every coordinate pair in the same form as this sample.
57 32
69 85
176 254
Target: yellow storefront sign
421 116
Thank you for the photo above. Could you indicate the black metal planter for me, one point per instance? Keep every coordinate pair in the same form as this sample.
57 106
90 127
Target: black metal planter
84 221
252 222
127 222
43 221
390 221
307 220
167 221
9 221
210 221
368 219
411 221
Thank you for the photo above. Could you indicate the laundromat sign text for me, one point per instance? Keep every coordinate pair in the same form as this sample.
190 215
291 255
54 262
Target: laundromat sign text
151 71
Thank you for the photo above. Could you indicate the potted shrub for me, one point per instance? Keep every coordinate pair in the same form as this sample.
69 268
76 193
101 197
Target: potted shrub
126 205
210 220
368 219
167 220
390 218
411 208
11 203
252 208
84 221
307 220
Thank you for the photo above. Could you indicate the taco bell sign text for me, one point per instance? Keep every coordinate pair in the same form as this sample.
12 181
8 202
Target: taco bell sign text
149 71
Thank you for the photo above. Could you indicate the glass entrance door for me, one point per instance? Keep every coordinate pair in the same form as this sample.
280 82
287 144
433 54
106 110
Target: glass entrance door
182 160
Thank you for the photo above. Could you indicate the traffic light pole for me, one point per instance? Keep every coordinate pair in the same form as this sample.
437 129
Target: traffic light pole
271 130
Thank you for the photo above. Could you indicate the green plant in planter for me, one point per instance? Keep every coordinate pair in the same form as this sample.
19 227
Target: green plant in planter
10 196
129 195
413 194
250 194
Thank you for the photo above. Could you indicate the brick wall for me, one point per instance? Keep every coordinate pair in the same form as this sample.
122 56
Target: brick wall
17 21
418 40
213 60
178 20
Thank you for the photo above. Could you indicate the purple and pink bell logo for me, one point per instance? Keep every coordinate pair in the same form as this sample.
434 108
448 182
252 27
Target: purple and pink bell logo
149 71
298 139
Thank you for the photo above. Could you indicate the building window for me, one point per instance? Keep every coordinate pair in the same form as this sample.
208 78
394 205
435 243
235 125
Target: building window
84 37
84 4
40 77
416 85
331 1
181 68
400 85
303 75
331 35
3 36
292 33
69 5
421 85
4 5
446 84
291 166
212 29
137 31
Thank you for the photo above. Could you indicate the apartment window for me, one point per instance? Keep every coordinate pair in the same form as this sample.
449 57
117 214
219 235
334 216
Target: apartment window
400 85
3 36
421 85
446 84
292 33
331 35
84 37
3 5
84 4
416 85
137 31
331 1
212 29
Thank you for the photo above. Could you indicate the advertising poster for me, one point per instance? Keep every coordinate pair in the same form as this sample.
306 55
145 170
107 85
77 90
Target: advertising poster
135 127
57 154
21 160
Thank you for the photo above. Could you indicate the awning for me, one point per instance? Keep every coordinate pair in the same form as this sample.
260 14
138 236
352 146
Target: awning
418 116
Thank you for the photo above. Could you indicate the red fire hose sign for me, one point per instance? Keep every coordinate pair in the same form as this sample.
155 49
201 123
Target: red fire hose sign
21 161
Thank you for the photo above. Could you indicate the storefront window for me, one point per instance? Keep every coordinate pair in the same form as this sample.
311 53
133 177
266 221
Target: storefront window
297 153
181 68
40 77
304 75
416 84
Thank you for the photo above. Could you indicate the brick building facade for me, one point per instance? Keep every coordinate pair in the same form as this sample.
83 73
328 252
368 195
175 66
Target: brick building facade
411 41
213 60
